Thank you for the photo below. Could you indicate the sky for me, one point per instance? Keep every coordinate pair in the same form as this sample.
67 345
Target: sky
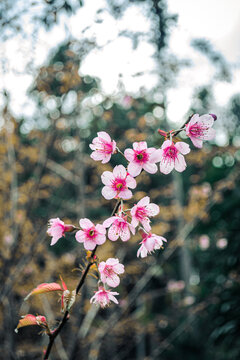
215 20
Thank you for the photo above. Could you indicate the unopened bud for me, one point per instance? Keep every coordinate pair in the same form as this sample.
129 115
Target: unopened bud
162 132
69 228
214 116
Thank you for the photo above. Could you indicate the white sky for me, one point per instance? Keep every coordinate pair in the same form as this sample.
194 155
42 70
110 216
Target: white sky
216 20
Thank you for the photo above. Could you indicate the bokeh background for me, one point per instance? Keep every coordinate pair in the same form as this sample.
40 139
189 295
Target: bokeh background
70 68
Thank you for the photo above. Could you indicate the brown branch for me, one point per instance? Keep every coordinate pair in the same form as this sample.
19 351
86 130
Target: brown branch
65 318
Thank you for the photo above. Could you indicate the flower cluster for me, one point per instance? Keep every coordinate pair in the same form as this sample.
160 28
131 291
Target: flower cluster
118 185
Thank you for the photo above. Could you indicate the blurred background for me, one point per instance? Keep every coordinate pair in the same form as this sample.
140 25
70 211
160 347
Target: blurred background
70 68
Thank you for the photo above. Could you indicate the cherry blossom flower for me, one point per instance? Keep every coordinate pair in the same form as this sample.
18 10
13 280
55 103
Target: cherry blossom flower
141 212
117 183
91 235
199 128
171 156
57 229
103 297
119 227
103 147
141 157
150 243
109 271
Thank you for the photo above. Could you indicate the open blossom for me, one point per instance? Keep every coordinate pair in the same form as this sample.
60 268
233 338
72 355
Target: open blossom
91 235
117 183
103 147
142 211
171 156
141 157
109 271
119 227
57 229
150 243
103 297
199 128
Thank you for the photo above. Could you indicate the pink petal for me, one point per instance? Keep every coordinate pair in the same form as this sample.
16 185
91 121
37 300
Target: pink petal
166 166
156 156
149 243
151 168
101 229
125 194
180 164
119 268
111 297
134 222
134 169
131 182
54 240
100 239
206 120
80 236
97 156
144 201
89 244
113 281
209 135
85 223
125 233
106 158
146 224
101 266
112 261
142 251
108 193
129 154
120 172
113 233
108 222
107 178
142 145
166 144
196 142
152 209
182 147
103 135
194 119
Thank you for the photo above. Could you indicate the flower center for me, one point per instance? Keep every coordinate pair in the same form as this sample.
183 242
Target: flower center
141 156
196 130
141 213
119 184
171 152
108 271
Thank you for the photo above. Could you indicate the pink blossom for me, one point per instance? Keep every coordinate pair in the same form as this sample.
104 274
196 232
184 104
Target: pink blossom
150 243
91 235
141 157
109 271
199 128
103 147
57 229
117 183
141 212
171 156
103 297
119 227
